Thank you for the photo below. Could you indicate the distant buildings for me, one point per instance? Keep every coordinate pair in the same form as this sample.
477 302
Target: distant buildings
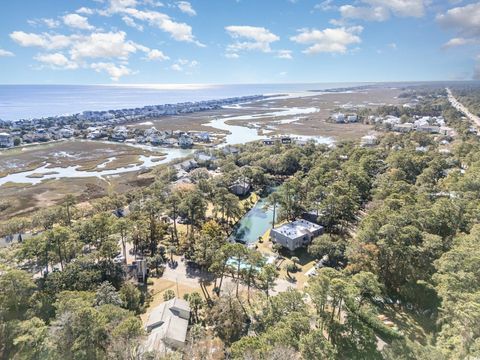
341 118
95 125
295 234
6 140
338 117
369 140
167 326
185 141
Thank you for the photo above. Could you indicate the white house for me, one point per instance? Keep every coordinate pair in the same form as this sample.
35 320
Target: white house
369 140
403 128
295 234
352 118
6 140
167 326
338 117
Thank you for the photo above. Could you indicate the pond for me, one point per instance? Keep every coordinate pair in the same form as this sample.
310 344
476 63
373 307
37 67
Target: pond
254 223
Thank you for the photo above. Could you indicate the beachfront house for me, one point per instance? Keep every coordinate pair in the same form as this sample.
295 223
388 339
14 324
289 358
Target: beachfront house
6 140
295 234
167 326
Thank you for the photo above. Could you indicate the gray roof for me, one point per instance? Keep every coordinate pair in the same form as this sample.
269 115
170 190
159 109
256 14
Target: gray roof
168 322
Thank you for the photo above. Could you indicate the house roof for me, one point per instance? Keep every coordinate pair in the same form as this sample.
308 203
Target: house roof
297 228
168 322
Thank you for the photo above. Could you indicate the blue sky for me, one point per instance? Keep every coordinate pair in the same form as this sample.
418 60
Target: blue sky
237 41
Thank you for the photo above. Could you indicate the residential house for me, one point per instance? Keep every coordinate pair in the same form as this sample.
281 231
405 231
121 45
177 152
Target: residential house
167 326
206 160
230 150
369 140
66 132
403 128
338 117
185 141
203 137
187 165
296 234
352 118
6 140
430 129
240 188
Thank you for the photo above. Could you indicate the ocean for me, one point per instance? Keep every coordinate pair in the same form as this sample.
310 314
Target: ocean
35 101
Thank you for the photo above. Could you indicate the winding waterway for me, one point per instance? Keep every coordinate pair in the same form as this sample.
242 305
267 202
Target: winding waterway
236 135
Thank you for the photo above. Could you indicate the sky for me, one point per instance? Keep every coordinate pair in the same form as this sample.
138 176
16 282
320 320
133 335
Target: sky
237 41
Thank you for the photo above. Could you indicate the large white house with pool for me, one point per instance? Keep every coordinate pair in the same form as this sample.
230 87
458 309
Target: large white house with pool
295 234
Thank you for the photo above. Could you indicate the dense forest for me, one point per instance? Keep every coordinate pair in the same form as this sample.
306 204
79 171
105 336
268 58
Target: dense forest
402 229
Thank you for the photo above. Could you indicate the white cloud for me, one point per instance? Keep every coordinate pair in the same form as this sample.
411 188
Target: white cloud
130 22
77 22
44 40
85 10
182 65
56 60
330 40
381 10
114 71
177 30
284 54
48 22
325 5
121 5
465 19
458 41
156 55
377 13
5 53
103 45
232 56
255 38
186 8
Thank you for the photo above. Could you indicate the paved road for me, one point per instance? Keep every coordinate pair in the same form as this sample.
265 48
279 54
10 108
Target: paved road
460 107
190 277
